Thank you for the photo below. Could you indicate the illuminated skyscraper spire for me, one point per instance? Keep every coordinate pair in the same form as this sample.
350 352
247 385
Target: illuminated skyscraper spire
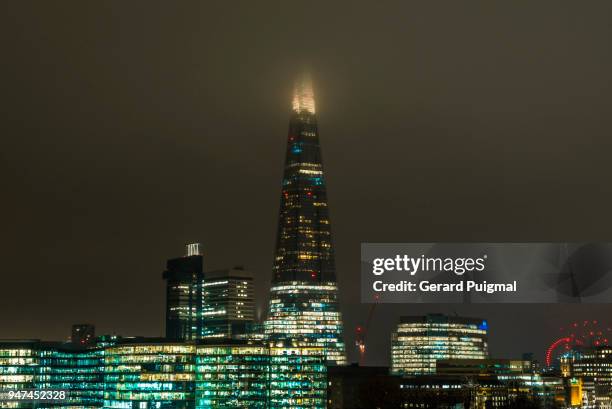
304 295
303 95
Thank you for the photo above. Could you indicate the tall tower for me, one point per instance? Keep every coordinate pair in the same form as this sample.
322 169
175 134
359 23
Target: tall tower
184 277
304 295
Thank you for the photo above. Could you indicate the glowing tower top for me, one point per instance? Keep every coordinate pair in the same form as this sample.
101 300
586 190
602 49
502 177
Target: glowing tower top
303 95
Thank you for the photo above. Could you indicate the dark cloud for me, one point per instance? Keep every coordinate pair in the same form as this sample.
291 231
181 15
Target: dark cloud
131 128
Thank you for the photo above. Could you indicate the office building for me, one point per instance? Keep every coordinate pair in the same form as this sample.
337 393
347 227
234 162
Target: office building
304 295
184 277
420 341
231 374
228 304
19 362
297 377
482 366
589 376
517 382
453 391
36 365
149 374
72 368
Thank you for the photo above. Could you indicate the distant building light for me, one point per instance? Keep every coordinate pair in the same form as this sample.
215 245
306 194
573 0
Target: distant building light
194 249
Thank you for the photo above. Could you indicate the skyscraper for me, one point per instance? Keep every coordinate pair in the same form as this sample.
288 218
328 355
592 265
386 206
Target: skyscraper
184 277
304 294
229 305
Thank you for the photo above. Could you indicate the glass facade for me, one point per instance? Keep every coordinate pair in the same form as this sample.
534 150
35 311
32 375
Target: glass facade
232 375
306 312
52 366
184 277
304 295
145 373
19 363
419 342
149 375
298 377
78 371
229 304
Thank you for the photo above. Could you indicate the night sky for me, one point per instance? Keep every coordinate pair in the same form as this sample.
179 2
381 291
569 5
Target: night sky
131 128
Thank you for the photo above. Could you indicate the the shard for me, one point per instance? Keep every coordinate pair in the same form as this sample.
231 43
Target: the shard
304 295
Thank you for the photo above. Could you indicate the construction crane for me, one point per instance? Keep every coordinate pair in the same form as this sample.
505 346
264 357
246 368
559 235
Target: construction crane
362 331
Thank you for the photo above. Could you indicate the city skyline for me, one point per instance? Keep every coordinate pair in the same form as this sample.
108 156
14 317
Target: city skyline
303 99
116 157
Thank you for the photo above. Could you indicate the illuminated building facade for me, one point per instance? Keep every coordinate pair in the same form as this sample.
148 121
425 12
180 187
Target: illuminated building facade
229 305
77 370
149 374
419 342
53 366
304 295
450 391
298 377
516 378
184 276
483 383
231 374
19 362
482 366
589 376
